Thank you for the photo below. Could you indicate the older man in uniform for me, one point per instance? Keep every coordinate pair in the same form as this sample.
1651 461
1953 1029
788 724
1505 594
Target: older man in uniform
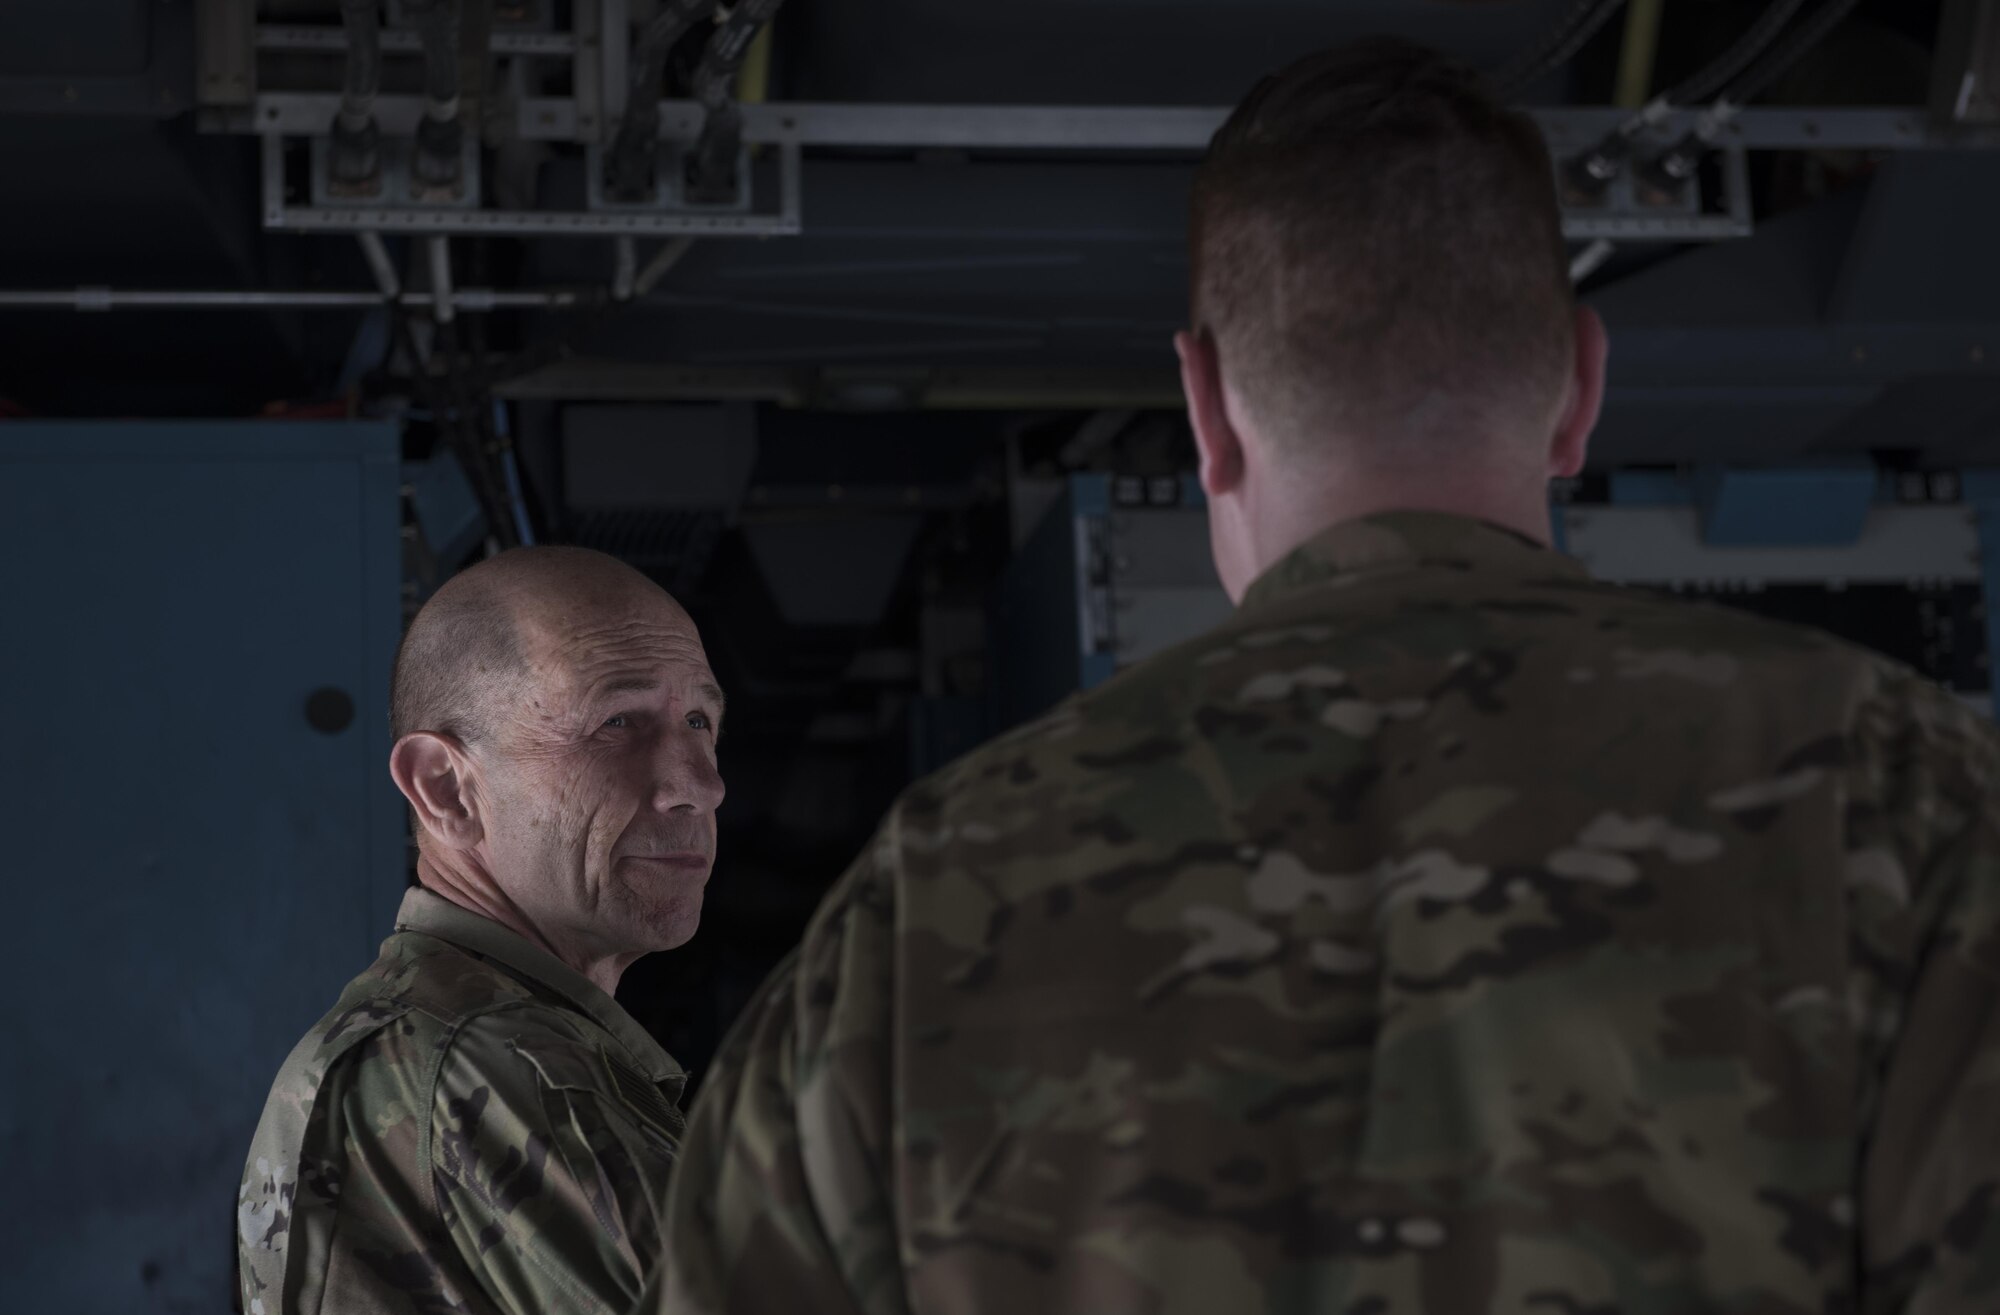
1444 933
477 1126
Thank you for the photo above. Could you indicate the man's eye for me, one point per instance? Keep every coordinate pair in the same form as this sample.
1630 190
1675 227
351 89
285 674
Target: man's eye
698 720
618 722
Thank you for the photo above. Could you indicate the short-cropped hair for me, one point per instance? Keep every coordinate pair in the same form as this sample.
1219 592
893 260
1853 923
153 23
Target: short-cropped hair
1378 253
459 657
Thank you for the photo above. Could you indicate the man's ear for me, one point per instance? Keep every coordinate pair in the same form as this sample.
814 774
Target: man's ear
1215 438
434 773
1571 443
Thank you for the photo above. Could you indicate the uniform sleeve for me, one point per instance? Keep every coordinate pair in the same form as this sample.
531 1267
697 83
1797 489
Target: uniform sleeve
1930 920
783 1200
547 1177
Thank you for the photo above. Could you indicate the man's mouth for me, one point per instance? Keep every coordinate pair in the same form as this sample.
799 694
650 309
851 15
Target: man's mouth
688 861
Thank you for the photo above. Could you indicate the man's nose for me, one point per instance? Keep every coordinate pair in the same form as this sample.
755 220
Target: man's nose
688 780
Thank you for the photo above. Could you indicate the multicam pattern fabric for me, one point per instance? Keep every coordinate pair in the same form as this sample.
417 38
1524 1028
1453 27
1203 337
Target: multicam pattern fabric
1446 933
475 1127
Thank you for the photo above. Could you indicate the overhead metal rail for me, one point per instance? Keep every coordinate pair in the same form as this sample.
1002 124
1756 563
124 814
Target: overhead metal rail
1166 129
323 40
469 300
790 129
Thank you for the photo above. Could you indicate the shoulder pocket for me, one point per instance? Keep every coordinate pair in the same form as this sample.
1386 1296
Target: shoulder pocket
616 1146
644 1097
594 1070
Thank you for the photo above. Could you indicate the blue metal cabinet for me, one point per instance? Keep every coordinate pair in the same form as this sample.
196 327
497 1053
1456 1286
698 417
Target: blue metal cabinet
191 866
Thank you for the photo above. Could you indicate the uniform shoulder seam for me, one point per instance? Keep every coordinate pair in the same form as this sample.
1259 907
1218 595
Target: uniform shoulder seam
454 1027
425 997
427 1126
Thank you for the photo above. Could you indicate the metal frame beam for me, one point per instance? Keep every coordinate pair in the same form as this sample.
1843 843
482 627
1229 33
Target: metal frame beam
225 60
1165 129
1966 70
321 39
311 114
106 299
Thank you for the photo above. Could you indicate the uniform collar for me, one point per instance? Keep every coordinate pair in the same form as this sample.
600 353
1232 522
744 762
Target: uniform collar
431 914
1404 541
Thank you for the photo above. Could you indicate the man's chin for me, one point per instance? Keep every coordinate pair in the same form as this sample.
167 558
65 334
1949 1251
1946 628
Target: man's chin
673 935
662 916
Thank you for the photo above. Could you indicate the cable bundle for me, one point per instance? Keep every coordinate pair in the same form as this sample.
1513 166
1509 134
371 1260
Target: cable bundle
1584 20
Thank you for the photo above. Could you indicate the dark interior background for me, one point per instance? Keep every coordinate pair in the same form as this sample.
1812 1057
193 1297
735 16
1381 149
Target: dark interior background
831 447
870 511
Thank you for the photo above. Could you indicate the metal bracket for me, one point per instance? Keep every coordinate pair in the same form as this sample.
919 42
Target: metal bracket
398 187
1625 214
322 38
669 184
288 114
782 217
614 34
225 62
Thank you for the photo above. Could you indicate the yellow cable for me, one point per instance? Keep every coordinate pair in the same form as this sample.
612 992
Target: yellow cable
753 80
1635 60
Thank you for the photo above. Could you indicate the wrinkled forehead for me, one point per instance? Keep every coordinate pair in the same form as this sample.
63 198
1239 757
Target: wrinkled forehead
576 645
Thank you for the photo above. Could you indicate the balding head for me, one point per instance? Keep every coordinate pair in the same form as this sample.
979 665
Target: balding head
556 724
467 652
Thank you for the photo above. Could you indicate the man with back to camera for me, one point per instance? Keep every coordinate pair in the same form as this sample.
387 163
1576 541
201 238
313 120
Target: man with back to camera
477 1126
1444 933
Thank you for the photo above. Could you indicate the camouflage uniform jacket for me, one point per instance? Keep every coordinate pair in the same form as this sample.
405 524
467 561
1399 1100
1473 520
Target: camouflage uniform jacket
1444 933
475 1127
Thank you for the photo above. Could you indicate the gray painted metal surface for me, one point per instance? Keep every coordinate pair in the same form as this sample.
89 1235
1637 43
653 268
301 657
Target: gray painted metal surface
194 869
1665 546
1163 584
1099 585
97 57
327 39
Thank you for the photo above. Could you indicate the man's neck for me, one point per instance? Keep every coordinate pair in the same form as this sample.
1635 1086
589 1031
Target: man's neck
1300 510
476 892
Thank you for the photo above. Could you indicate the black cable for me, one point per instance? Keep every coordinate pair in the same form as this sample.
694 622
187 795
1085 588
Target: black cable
497 446
1724 68
1589 173
592 311
628 169
1674 167
437 27
657 41
465 434
357 143
440 133
1558 46
447 419
1531 62
1795 47
712 168
361 21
